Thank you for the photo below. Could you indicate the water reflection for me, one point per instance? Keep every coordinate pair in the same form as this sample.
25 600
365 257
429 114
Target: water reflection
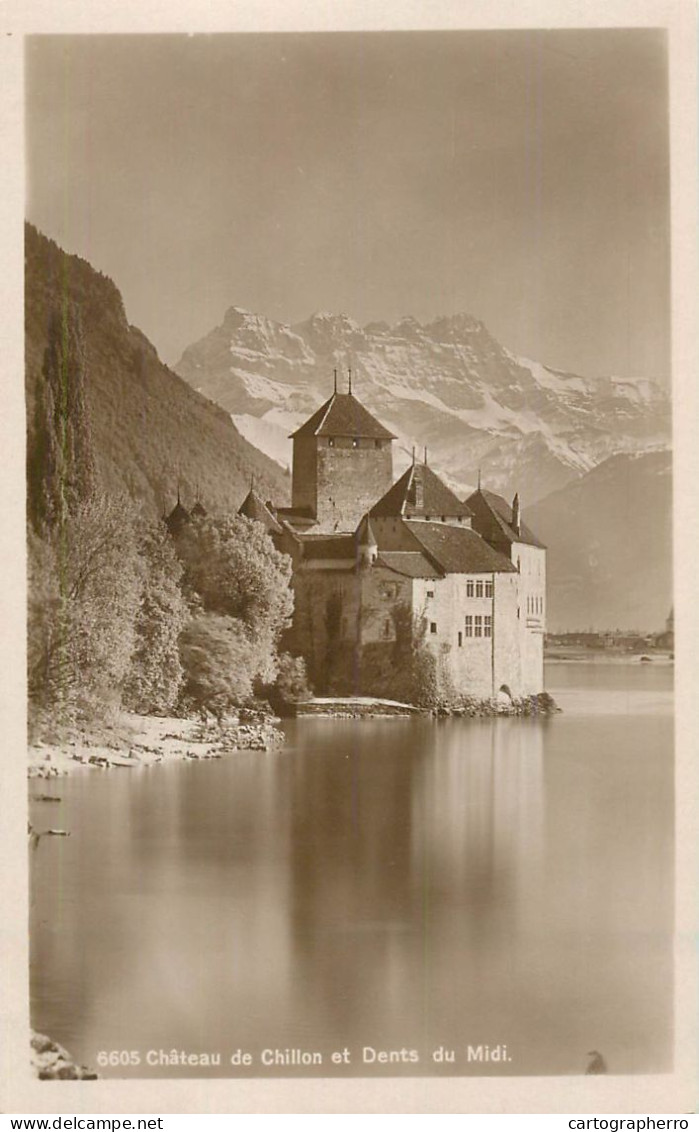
383 883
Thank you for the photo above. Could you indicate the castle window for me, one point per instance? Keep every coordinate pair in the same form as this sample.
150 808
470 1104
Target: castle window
469 626
461 640
433 626
488 589
487 625
478 627
479 589
469 589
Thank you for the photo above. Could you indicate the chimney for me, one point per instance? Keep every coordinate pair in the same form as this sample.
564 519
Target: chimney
516 515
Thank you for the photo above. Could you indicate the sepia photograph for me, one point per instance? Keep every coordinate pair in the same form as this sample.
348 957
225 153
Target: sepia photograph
350 630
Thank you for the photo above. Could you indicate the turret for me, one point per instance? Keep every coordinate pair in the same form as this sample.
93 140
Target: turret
367 546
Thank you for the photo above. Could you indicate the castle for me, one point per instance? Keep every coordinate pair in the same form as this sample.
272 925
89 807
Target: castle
373 559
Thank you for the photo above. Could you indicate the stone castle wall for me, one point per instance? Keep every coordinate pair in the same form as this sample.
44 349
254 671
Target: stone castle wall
350 480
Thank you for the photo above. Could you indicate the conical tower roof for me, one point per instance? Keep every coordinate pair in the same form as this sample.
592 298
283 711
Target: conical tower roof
343 415
254 507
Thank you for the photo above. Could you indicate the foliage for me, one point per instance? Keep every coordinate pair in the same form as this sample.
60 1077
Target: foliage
219 662
232 567
60 465
155 676
291 684
85 582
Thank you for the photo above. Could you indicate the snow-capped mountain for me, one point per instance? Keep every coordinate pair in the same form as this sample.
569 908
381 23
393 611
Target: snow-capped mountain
446 385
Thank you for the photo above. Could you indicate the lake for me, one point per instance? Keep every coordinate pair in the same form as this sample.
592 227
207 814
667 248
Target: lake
380 894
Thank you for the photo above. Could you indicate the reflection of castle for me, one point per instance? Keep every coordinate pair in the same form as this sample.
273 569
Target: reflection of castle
364 549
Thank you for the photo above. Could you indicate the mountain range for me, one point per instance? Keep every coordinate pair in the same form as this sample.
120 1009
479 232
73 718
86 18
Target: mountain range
609 539
447 385
152 432
588 456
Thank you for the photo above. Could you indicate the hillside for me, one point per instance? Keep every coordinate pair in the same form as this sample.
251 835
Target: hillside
447 384
609 538
150 427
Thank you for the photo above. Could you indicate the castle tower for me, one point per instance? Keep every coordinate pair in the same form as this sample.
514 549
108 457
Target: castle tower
343 462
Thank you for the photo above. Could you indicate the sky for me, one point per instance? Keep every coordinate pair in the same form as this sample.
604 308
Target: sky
520 176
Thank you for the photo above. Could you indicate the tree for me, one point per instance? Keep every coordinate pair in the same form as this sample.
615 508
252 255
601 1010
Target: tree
85 584
60 457
155 675
290 685
219 661
232 566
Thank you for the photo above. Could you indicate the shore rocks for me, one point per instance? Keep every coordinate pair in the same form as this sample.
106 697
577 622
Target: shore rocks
542 704
51 1062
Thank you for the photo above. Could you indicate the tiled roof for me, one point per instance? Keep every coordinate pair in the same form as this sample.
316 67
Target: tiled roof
253 507
330 546
411 563
343 415
459 550
420 492
493 518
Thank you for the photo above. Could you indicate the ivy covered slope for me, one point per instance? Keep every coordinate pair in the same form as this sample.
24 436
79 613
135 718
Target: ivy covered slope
149 427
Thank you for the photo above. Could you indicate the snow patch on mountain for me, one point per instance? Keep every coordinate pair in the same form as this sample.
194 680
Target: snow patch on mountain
447 384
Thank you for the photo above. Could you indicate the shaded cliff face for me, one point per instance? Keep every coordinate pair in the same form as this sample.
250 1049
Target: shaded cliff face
149 427
446 384
609 539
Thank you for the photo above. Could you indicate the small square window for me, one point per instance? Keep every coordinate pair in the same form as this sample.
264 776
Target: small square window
433 626
430 593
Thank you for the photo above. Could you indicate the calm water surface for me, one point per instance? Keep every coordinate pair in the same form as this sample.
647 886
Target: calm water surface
389 884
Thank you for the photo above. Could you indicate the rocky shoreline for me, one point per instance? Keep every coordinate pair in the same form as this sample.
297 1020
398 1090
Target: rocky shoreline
51 1062
542 704
147 740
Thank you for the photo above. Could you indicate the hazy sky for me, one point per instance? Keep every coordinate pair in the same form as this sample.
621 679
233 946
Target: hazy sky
519 176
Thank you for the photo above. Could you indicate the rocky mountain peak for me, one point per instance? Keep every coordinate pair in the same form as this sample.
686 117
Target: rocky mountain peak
448 384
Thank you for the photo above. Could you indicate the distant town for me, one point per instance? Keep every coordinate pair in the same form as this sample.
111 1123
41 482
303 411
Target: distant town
619 640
